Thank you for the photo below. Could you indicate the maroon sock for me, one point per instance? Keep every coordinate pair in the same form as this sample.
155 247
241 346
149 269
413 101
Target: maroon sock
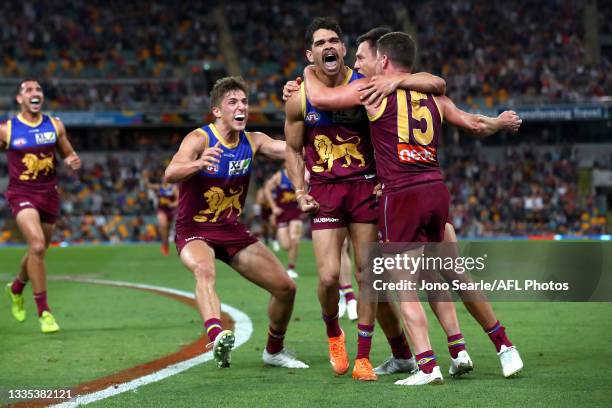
17 286
213 328
456 343
426 361
497 334
290 266
347 291
332 326
275 340
41 302
364 340
399 346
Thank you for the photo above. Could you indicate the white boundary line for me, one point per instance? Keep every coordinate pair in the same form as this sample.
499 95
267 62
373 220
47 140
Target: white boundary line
243 329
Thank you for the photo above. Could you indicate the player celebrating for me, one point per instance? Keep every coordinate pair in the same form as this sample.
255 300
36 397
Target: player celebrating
167 201
373 92
213 167
289 224
336 149
31 138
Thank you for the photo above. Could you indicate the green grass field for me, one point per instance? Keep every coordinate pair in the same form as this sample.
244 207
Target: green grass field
566 347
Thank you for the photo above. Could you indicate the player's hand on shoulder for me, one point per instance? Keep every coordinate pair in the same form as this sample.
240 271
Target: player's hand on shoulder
374 91
307 203
290 88
510 121
210 156
73 161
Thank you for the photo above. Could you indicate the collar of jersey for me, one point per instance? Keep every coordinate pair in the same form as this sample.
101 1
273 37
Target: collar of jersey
27 122
221 139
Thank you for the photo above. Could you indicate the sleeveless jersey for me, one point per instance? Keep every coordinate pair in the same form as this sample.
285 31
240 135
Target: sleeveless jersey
285 193
165 196
31 154
338 146
406 132
215 196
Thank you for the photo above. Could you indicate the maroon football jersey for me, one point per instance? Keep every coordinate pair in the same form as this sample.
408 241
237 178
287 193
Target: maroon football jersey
31 154
405 133
215 196
338 146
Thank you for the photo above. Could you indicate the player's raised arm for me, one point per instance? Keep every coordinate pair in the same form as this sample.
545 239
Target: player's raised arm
71 159
270 185
272 148
380 86
327 98
294 153
478 125
191 157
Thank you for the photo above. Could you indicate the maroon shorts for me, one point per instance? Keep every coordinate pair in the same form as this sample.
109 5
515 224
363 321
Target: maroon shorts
47 204
226 241
169 212
344 203
288 215
415 214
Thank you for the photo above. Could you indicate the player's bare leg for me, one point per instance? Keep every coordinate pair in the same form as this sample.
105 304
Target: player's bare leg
199 258
361 236
348 302
327 244
483 313
401 360
415 319
38 237
164 231
295 235
257 263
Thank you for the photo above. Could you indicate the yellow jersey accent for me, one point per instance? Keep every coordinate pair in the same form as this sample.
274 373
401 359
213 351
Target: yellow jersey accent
303 98
250 139
27 122
8 133
402 117
379 112
221 139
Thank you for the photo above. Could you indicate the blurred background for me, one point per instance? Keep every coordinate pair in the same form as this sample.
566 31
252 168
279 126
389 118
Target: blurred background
130 79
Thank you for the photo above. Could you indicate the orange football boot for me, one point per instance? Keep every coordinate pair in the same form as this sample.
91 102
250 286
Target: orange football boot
363 370
337 354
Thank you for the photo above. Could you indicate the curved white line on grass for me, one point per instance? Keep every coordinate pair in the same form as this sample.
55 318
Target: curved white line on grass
243 330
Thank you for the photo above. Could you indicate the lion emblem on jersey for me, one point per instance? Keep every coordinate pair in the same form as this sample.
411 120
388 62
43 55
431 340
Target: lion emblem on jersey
218 202
287 197
35 165
330 152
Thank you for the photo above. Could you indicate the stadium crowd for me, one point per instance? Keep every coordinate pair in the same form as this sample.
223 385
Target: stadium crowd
489 55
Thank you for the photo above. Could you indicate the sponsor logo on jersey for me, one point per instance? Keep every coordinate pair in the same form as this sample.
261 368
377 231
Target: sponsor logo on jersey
238 167
408 153
312 117
319 220
20 142
45 137
24 203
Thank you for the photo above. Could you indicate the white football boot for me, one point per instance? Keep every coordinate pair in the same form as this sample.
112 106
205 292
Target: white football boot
282 359
510 360
461 365
420 378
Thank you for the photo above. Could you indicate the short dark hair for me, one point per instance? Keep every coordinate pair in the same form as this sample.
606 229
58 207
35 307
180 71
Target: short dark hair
24 81
327 23
225 85
372 36
399 47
